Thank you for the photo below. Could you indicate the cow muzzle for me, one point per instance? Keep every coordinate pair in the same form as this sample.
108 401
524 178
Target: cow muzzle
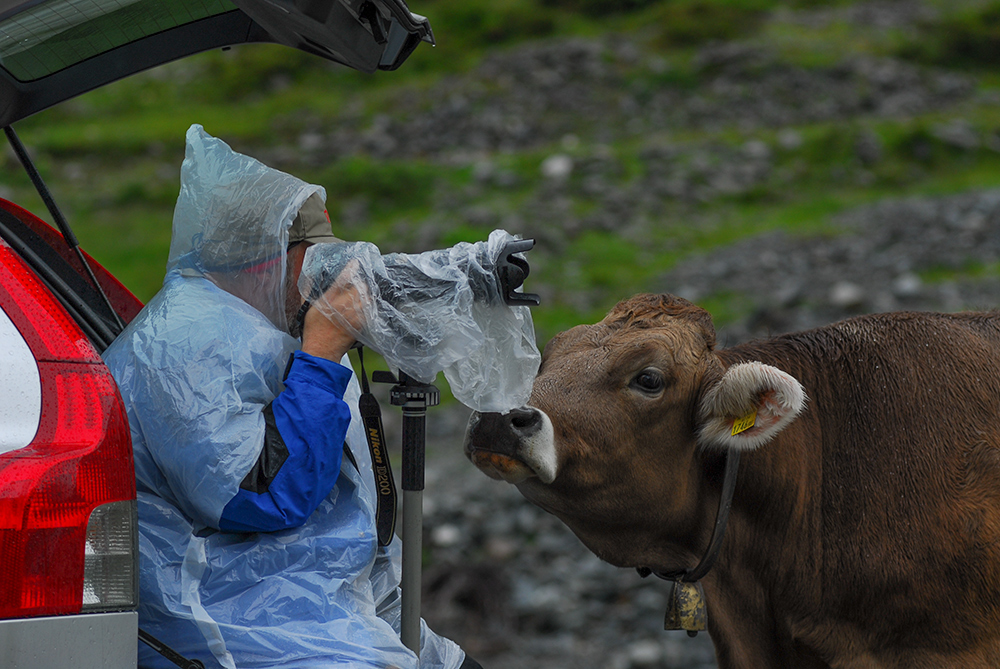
512 446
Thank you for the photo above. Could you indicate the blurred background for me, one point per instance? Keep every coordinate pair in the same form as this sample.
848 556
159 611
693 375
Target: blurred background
782 164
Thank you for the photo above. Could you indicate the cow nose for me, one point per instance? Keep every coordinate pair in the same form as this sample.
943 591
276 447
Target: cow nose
525 421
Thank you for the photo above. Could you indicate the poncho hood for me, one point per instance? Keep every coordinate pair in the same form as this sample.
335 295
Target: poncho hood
231 222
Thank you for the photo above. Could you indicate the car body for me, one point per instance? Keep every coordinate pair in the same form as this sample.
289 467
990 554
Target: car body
68 527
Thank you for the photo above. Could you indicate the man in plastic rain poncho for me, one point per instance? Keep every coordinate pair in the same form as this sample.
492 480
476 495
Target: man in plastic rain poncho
256 533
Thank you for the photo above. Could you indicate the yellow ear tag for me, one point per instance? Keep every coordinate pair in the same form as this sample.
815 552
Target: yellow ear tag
744 423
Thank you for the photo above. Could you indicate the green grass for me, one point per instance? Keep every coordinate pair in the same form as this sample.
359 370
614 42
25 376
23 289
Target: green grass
971 270
727 307
686 23
966 36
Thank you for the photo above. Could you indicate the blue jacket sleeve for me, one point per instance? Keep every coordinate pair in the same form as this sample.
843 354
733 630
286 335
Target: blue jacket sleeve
303 446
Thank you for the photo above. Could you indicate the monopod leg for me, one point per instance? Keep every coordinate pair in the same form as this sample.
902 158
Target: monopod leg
414 398
412 556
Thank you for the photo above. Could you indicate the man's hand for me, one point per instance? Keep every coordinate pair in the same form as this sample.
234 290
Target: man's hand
331 337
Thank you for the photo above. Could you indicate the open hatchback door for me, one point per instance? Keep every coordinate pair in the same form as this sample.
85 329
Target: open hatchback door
53 50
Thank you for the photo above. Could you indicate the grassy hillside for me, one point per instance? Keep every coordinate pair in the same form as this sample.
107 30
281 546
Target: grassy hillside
594 172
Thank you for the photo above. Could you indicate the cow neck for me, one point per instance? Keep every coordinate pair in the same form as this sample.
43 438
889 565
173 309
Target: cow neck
732 458
686 608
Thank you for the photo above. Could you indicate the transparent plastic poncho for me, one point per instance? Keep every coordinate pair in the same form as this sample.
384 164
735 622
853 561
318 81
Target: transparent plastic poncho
437 311
196 368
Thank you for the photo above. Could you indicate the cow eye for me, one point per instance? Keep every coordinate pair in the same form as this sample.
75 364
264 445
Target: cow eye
649 381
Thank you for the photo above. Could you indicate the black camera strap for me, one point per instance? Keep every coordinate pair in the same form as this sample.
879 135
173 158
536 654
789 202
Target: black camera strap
371 417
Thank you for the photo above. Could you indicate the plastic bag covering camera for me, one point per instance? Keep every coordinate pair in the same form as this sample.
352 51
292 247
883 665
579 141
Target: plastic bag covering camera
195 369
441 310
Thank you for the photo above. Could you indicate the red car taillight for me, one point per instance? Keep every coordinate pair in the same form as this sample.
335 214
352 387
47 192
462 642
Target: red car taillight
67 500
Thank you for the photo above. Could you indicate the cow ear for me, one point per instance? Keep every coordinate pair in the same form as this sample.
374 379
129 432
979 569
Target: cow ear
748 406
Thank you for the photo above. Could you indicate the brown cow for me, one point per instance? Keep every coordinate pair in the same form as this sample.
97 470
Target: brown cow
865 525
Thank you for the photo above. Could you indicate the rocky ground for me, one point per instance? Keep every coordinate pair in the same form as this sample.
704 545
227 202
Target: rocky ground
508 581
872 261
605 89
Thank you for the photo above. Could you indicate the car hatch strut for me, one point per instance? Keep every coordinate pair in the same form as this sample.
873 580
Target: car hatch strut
168 652
57 216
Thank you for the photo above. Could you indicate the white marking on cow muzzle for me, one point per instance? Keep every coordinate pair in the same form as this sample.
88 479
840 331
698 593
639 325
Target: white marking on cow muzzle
513 446
538 447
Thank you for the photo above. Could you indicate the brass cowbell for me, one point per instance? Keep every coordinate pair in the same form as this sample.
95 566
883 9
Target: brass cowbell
686 608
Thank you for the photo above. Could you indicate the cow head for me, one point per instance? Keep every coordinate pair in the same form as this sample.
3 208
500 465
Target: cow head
620 417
